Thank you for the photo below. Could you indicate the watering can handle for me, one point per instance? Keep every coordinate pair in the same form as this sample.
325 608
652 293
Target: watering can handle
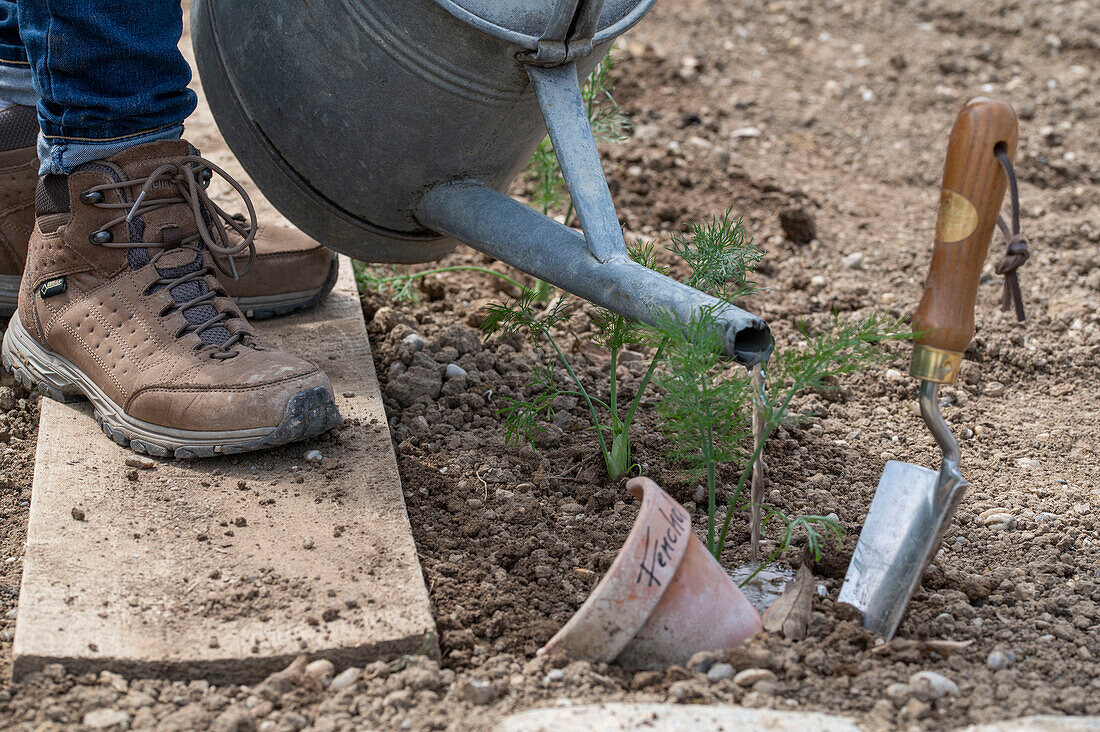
970 198
580 16
559 94
569 33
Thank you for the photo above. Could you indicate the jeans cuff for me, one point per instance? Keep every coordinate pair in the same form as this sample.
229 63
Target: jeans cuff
60 156
16 85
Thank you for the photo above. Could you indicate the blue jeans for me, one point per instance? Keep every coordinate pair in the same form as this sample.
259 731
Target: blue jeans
105 74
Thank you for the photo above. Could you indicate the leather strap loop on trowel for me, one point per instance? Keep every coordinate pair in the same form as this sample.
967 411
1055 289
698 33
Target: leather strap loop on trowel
1016 251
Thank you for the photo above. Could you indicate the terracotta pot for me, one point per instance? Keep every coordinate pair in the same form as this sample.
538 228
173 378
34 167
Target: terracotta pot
663 599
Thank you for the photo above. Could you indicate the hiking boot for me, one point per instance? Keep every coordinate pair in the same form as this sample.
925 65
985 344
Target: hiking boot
290 272
120 303
18 175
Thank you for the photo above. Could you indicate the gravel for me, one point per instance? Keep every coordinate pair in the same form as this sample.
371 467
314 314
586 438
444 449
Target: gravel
106 718
701 662
719 672
475 691
753 676
929 685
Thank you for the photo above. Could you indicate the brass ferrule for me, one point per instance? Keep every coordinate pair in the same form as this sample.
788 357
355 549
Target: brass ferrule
935 364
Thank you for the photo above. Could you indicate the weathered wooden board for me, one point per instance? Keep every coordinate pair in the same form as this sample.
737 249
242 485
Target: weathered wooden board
226 568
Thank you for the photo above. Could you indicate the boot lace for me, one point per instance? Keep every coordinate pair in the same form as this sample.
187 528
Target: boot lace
191 176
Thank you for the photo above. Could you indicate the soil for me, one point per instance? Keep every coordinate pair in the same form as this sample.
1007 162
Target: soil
824 125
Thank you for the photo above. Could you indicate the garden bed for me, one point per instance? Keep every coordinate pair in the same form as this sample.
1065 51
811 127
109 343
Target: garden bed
836 113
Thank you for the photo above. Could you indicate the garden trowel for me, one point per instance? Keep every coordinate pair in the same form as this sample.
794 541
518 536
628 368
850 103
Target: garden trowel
913 506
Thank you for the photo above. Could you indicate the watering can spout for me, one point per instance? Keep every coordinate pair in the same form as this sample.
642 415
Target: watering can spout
508 230
595 265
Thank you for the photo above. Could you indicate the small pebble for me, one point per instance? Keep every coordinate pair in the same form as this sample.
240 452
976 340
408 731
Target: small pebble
752 676
897 693
453 371
929 685
78 513
140 461
476 691
320 670
307 543
746 132
999 660
106 718
853 261
719 672
994 389
344 679
314 456
415 340
701 662
997 518
555 675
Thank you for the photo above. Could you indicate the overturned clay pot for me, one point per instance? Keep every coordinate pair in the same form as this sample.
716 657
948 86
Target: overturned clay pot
663 599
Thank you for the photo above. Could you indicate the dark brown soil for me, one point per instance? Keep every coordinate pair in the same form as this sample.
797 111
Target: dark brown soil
834 113
18 432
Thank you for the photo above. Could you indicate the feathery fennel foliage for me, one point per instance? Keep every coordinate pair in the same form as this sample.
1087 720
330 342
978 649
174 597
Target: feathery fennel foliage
718 245
705 410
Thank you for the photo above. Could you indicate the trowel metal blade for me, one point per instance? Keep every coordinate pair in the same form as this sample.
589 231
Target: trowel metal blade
911 509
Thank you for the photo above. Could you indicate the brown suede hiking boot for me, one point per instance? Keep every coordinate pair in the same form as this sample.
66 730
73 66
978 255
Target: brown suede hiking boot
290 272
18 175
120 304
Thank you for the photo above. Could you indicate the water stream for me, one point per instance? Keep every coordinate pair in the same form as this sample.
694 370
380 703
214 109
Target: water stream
768 584
766 587
756 492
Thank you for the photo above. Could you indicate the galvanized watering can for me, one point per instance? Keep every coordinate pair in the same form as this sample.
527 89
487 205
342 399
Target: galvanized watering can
389 130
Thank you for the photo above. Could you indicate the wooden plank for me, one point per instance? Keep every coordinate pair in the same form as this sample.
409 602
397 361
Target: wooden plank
227 568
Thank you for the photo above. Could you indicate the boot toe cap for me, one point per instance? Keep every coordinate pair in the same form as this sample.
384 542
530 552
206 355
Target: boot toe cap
263 406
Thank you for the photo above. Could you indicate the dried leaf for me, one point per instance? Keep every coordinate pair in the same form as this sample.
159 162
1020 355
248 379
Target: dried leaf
790 614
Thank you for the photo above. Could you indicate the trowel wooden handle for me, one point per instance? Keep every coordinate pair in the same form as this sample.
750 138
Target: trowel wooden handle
970 198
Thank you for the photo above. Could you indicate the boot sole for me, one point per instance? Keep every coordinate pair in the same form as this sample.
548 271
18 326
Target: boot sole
308 413
260 307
